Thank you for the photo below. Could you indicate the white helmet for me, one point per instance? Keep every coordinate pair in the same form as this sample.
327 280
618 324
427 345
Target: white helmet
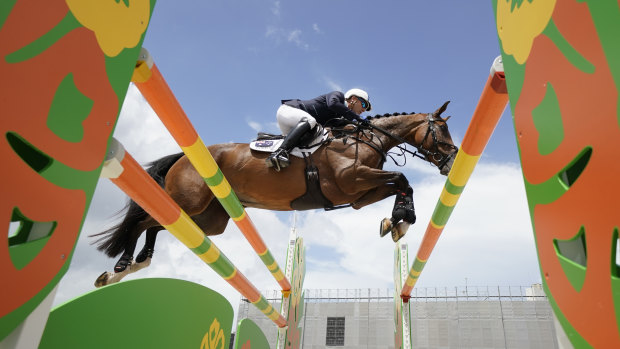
358 93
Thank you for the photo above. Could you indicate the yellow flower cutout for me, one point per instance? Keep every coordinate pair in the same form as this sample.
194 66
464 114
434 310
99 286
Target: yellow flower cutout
116 25
518 27
214 339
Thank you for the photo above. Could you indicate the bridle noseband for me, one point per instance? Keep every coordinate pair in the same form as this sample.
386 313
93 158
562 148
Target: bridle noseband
442 159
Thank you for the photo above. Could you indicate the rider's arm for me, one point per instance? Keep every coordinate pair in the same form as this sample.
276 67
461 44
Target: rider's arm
335 102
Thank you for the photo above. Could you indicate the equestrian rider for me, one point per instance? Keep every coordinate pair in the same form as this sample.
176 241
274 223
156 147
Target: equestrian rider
297 117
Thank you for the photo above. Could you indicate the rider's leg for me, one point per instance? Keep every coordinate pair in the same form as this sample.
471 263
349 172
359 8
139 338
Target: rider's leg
294 123
291 140
288 117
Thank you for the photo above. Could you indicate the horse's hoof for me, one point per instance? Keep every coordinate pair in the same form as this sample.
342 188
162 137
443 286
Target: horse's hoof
108 278
400 230
116 277
135 266
385 226
102 280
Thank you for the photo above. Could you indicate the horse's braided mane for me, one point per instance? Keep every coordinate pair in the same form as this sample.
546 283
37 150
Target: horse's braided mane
387 115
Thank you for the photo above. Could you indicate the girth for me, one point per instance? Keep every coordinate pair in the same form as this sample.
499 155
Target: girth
313 198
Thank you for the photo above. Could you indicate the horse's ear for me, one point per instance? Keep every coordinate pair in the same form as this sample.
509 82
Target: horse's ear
447 117
441 109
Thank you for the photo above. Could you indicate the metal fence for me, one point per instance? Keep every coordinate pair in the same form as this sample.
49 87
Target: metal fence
419 294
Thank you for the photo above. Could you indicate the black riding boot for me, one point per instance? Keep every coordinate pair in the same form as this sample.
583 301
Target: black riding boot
403 207
279 158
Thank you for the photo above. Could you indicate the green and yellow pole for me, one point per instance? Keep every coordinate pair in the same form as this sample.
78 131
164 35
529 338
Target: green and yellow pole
155 90
129 176
490 107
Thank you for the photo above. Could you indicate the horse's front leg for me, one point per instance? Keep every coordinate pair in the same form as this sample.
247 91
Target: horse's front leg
365 178
381 185
375 195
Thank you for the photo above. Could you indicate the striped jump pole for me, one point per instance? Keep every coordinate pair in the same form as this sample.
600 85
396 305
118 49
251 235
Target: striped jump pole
155 90
123 170
486 116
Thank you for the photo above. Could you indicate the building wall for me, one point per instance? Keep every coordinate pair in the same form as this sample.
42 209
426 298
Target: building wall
437 322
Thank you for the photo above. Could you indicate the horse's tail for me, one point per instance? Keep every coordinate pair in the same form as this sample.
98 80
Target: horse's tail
114 240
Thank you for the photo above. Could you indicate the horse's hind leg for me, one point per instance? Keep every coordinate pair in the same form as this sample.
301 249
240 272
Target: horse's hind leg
143 259
126 258
121 268
124 265
149 244
213 220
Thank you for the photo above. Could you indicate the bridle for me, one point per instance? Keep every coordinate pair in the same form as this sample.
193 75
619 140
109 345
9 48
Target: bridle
422 153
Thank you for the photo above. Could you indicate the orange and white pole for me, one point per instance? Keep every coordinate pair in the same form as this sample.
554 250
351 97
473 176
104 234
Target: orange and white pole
155 90
490 107
123 170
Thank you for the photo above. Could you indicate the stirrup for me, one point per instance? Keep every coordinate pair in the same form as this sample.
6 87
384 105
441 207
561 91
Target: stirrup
278 159
272 161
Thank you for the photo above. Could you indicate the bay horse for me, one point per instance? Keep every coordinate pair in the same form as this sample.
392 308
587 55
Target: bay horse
350 168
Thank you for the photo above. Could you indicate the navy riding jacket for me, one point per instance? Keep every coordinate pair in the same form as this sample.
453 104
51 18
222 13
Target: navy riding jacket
324 107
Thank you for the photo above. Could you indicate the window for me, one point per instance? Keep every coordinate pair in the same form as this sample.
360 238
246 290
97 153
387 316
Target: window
335 331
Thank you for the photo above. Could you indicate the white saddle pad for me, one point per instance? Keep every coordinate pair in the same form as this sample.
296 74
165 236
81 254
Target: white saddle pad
271 145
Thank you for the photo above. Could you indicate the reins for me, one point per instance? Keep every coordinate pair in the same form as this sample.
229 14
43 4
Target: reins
442 159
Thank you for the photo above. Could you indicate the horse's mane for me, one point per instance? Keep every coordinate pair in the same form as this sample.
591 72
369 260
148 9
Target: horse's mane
386 115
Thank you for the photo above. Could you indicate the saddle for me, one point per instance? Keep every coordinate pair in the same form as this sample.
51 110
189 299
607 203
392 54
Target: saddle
313 198
313 140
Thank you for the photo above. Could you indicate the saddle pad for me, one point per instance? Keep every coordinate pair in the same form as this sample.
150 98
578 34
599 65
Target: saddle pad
271 145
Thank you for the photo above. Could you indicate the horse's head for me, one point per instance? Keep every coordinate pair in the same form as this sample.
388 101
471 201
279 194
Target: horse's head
435 142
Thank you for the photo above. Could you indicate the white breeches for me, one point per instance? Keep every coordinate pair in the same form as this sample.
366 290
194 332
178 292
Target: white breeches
288 117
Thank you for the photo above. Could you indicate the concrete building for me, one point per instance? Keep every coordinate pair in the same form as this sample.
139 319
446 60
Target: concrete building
459 317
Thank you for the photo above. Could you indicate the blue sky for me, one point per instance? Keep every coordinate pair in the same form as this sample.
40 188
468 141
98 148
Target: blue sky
231 62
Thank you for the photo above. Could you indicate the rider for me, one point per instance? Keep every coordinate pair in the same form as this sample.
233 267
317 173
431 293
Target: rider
296 117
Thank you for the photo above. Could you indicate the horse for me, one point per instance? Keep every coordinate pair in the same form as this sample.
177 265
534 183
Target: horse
350 174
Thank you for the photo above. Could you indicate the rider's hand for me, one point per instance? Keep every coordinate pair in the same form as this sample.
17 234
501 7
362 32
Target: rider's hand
361 121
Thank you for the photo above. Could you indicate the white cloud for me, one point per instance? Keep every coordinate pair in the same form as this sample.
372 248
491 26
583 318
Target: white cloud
140 131
488 239
272 31
316 28
334 86
290 36
275 9
256 126
294 36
